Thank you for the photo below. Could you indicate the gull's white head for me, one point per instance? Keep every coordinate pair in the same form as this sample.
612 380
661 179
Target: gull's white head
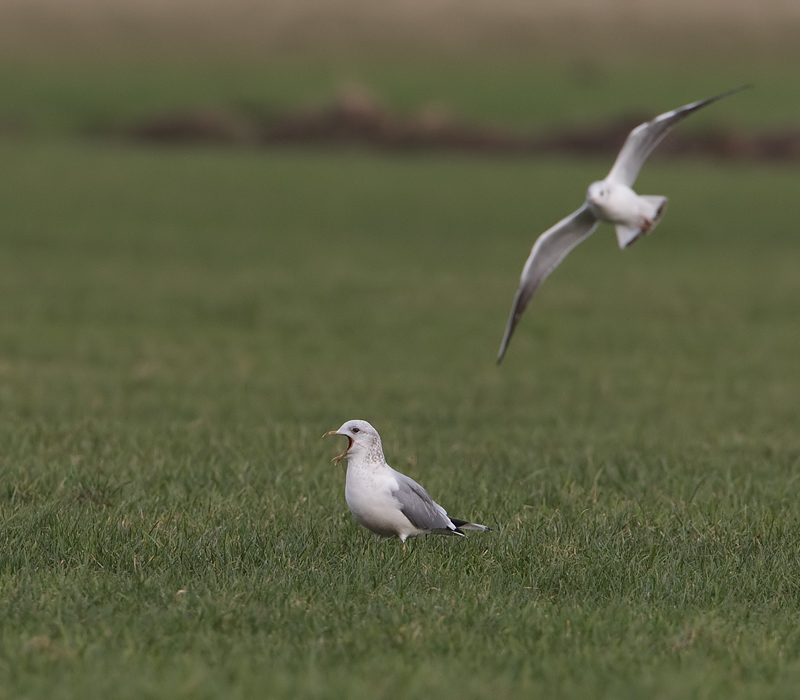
598 193
363 440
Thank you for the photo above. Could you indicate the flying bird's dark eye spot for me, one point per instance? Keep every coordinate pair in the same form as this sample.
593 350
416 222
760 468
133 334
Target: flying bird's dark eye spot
355 430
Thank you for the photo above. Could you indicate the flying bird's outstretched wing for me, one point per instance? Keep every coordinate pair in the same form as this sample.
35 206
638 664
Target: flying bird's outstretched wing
645 137
549 250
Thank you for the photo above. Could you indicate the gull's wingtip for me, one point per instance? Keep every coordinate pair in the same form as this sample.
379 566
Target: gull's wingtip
511 326
727 93
467 525
504 345
747 86
682 112
741 88
500 356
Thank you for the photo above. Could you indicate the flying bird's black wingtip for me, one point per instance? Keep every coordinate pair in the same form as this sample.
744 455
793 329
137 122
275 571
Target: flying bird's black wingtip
741 88
748 86
694 106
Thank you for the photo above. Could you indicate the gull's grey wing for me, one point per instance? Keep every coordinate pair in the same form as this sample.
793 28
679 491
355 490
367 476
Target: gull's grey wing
549 250
418 506
645 137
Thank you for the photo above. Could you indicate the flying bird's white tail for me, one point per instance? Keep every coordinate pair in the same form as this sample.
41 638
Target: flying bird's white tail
652 212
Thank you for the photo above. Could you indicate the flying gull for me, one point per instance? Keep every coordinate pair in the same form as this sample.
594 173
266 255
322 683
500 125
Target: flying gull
610 200
384 500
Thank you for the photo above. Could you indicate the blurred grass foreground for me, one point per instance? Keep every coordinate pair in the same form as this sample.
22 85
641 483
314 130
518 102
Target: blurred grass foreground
180 322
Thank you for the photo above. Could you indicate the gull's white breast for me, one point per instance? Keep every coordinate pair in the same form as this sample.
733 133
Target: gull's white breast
368 492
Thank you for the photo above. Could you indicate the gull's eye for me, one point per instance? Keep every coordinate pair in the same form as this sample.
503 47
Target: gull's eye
355 430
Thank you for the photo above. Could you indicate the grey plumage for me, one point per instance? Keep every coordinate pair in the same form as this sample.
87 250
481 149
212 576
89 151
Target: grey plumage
417 505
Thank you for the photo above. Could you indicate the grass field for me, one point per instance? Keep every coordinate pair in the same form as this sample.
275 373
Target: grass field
179 326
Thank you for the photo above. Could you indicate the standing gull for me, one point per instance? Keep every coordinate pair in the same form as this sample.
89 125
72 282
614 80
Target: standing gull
384 500
610 200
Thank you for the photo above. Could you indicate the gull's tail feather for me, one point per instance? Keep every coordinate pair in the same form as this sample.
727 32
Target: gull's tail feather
466 525
654 207
657 207
448 533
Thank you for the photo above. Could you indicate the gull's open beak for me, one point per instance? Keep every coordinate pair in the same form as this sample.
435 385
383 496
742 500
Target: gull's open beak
340 457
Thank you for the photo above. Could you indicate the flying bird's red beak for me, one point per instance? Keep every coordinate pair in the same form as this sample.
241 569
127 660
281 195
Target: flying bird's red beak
340 457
